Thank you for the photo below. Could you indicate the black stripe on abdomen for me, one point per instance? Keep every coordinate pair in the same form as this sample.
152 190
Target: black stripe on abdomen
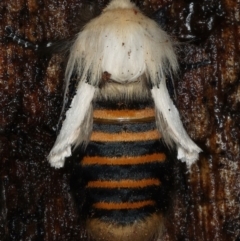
117 128
122 195
116 172
118 149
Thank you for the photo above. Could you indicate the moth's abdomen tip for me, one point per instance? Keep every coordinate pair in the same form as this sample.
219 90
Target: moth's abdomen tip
150 228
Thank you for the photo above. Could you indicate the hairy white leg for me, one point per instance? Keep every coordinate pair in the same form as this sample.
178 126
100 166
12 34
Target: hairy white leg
186 148
70 130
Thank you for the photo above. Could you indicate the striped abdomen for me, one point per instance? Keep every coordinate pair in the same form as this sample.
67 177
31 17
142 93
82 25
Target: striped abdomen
123 165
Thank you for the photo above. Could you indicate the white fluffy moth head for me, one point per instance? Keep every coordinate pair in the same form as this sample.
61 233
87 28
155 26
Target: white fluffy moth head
121 55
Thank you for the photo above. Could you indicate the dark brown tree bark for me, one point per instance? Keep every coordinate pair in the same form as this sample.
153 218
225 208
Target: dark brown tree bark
35 199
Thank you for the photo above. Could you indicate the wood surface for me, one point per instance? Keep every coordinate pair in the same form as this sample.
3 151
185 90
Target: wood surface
35 199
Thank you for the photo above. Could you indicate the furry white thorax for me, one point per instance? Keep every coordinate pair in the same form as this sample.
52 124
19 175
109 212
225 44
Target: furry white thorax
124 43
130 48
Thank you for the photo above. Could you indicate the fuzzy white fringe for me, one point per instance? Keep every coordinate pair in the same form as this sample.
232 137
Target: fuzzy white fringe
171 126
72 125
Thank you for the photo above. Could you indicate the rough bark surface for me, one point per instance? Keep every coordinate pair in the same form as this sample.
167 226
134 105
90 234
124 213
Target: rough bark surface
35 199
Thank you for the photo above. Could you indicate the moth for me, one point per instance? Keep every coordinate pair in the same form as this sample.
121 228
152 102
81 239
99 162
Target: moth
122 116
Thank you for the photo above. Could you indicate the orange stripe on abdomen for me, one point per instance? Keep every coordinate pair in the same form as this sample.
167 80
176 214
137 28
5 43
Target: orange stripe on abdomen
123 205
125 136
125 160
124 183
123 115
